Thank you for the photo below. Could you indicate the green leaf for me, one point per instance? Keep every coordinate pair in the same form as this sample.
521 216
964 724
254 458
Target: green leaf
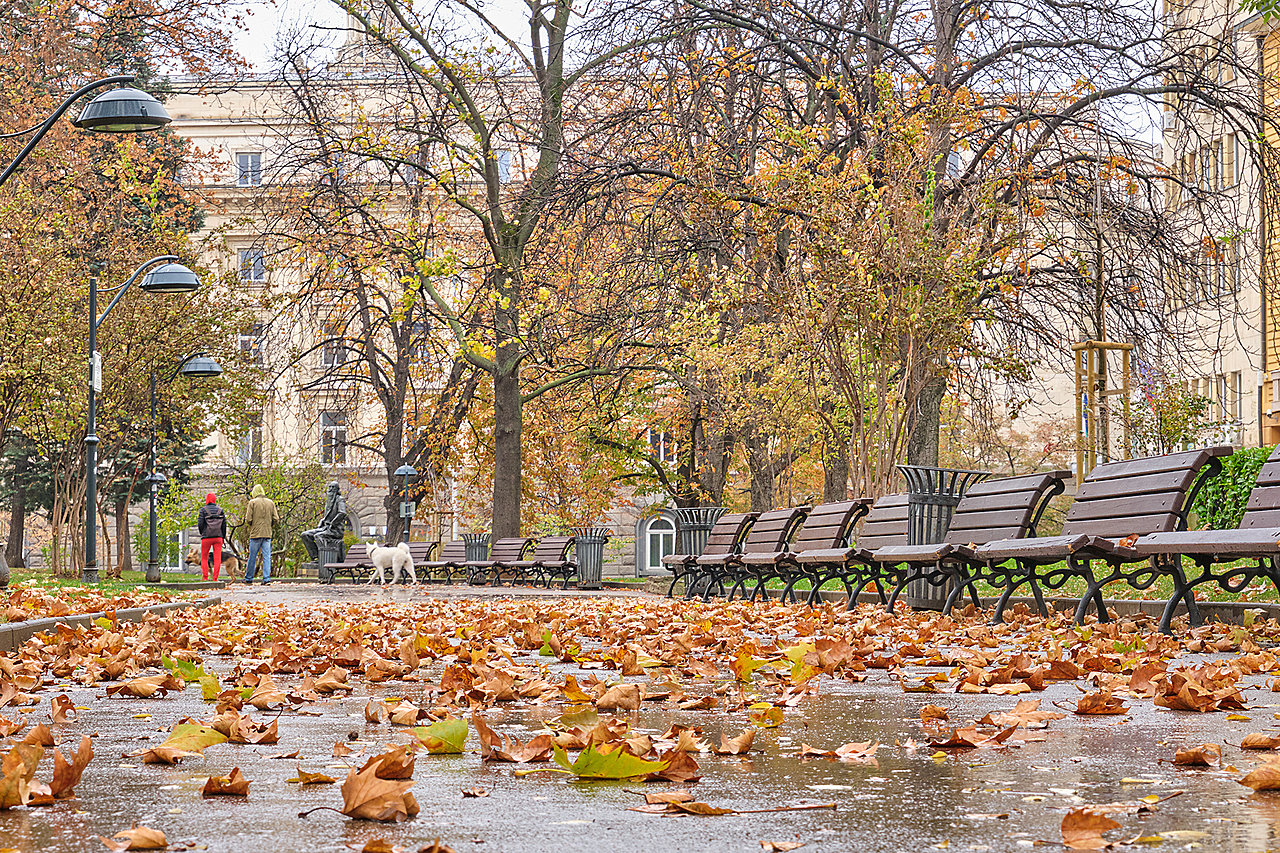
104 623
193 737
765 715
210 688
185 670
443 737
607 763
744 665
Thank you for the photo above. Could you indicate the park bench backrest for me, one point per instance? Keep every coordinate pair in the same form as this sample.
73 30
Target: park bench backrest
453 551
829 525
1263 508
423 552
727 532
552 549
1007 508
772 529
357 553
510 549
1140 496
885 525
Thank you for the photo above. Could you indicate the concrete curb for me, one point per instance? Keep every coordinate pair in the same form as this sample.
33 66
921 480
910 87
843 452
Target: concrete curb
185 585
14 634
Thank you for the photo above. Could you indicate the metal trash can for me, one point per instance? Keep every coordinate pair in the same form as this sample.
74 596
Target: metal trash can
588 548
327 554
693 526
932 496
477 546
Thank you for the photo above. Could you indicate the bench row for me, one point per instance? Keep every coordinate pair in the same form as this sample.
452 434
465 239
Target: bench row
517 560
1128 523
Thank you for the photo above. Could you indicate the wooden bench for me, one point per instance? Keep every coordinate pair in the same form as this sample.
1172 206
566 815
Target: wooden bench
1256 540
549 560
1007 508
769 534
855 566
503 553
827 526
722 539
356 565
447 565
1116 503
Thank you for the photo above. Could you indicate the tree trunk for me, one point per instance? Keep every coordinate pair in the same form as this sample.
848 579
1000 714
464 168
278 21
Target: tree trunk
926 422
17 516
124 547
761 469
835 470
507 412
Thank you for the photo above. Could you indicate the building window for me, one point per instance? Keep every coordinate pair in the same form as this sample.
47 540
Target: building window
333 438
419 333
954 164
250 449
663 446
253 265
333 352
249 169
660 540
249 342
504 166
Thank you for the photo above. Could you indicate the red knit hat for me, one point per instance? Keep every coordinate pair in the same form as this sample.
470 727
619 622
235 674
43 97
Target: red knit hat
210 498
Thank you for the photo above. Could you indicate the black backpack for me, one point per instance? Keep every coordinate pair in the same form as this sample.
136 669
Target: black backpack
215 522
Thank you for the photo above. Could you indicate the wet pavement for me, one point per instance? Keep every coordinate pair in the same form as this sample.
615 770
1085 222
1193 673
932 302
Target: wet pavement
986 799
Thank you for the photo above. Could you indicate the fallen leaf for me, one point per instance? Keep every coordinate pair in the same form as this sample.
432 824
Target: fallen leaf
306 778
232 785
1100 703
780 846
1260 740
1264 778
67 774
1204 755
443 737
1082 830
137 838
366 796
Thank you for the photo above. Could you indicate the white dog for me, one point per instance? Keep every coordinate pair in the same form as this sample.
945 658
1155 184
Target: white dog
394 557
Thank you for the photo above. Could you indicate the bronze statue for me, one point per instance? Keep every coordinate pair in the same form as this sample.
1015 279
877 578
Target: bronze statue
329 534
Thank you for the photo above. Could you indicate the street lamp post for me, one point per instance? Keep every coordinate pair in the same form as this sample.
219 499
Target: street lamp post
404 472
172 277
118 111
198 365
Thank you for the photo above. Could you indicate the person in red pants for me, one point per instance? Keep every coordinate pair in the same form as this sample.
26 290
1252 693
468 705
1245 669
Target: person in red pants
213 529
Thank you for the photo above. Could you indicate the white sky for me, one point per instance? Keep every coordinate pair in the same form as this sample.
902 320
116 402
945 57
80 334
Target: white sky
266 20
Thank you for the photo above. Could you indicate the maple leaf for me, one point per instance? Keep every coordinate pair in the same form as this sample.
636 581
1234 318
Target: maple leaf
1265 777
67 774
137 838
744 664
366 796
1082 830
232 785
443 737
305 778
780 846
933 713
1204 755
1100 703
394 763
625 696
186 670
765 715
496 747
681 768
61 707
859 753
375 711
145 688
16 772
607 763
739 745
40 735
1260 740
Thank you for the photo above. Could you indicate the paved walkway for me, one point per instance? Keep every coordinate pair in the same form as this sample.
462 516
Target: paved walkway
288 593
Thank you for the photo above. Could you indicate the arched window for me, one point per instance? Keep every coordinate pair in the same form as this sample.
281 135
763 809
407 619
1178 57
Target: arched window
660 540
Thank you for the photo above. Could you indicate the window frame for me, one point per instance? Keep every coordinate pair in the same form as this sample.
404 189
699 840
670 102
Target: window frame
251 175
333 437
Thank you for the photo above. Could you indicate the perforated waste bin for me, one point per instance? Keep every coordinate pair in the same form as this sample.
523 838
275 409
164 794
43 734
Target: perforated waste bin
693 526
588 548
932 496
326 555
477 546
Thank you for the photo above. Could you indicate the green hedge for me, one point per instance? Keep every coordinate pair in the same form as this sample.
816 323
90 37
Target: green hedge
1221 502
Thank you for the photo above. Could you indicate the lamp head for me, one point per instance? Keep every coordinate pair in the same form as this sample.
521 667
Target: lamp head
406 470
200 366
123 111
156 479
170 278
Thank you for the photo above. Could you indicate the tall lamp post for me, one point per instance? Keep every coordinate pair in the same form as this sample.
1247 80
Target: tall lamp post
404 472
169 277
198 365
118 111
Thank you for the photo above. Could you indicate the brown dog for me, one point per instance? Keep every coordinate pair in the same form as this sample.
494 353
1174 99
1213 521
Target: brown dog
230 562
